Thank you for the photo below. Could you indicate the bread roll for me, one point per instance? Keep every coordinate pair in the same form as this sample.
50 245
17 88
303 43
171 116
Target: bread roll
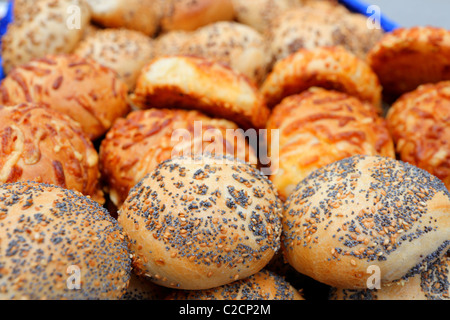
200 84
237 45
331 67
321 24
200 223
136 145
80 88
139 15
264 285
142 289
362 212
190 15
124 51
432 284
171 43
409 57
45 27
55 239
420 125
42 145
319 127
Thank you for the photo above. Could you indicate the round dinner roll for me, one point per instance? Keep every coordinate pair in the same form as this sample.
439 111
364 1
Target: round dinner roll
136 145
408 57
80 88
55 241
432 284
264 285
420 125
124 51
321 24
42 145
202 222
319 127
239 46
46 27
366 212
193 83
190 15
329 67
170 43
139 15
140 289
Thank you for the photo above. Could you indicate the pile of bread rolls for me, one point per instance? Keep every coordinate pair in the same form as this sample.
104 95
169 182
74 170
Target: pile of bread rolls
97 200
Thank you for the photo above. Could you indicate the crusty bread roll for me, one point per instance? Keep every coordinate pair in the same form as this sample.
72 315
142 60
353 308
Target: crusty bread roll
365 212
237 45
409 57
432 284
329 67
136 145
420 125
45 27
54 239
190 15
264 285
124 51
42 145
319 127
195 83
171 43
203 222
321 24
80 88
139 15
143 289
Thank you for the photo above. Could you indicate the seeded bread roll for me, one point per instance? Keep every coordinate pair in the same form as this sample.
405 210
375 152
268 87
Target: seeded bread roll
80 88
432 284
43 145
170 43
52 239
420 125
200 84
409 57
321 24
46 27
136 145
319 127
200 223
141 289
366 211
139 15
237 45
190 15
124 51
330 67
264 285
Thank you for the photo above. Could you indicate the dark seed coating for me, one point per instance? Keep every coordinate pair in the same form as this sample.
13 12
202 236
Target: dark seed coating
48 233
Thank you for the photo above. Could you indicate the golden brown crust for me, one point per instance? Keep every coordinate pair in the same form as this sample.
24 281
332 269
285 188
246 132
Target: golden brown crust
366 211
432 284
332 68
80 88
136 145
139 15
195 83
190 15
420 125
409 57
143 289
201 223
264 285
42 145
321 24
41 29
319 127
124 51
234 44
53 238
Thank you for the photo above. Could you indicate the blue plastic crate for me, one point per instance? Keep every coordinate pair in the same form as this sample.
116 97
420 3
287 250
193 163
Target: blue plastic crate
353 5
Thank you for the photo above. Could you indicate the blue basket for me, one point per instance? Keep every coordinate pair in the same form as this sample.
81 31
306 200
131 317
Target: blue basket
353 5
